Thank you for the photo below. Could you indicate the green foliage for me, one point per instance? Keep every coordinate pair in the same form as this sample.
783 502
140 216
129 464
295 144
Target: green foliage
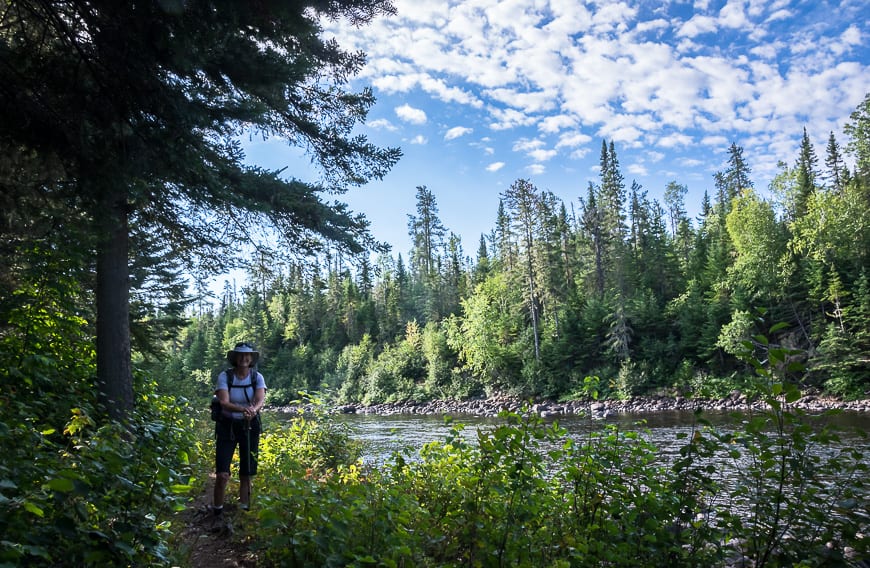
317 506
399 372
783 509
353 363
91 496
75 491
610 293
439 362
312 441
629 379
486 337
525 494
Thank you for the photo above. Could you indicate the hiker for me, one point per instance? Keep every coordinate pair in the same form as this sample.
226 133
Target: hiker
241 391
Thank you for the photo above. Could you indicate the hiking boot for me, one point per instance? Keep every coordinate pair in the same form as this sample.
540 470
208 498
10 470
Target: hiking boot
220 524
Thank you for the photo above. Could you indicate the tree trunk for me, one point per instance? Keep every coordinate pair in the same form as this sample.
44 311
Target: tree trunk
114 375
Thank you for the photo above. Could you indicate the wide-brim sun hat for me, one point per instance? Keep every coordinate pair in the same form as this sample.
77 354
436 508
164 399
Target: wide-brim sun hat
242 348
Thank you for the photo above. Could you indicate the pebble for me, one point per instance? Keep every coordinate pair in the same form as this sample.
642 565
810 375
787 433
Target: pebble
492 406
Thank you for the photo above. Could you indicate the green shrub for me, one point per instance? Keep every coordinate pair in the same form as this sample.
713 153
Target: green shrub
95 495
524 493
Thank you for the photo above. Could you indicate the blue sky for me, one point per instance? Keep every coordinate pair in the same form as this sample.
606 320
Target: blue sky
480 93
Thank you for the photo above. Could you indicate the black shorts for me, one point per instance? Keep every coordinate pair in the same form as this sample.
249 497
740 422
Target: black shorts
228 434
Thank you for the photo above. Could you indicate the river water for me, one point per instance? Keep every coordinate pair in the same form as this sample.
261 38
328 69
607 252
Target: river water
383 435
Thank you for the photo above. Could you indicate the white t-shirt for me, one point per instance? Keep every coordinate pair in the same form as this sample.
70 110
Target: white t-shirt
241 388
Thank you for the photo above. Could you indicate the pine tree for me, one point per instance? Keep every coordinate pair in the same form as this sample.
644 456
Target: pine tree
806 176
522 201
482 266
838 173
858 145
503 242
427 235
592 224
426 232
138 103
675 195
738 172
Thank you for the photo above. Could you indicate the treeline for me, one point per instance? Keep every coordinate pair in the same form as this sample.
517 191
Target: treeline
616 285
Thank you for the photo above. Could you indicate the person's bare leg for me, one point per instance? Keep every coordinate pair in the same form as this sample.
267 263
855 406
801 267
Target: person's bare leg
245 490
220 488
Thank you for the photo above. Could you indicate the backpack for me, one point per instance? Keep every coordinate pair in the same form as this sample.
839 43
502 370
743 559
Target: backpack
217 411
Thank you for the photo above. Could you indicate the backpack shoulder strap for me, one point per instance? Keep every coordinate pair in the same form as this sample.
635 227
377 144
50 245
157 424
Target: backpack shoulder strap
231 383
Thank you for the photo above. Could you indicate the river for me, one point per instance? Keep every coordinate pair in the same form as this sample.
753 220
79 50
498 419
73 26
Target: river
382 435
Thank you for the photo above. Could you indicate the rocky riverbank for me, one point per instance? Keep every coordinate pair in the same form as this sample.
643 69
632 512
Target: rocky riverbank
490 407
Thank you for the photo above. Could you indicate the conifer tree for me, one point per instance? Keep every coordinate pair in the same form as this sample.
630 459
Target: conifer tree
522 202
427 237
838 173
503 242
140 103
806 176
482 266
592 224
737 175
858 145
675 200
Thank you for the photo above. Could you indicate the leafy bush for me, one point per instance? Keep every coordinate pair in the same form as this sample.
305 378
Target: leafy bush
527 494
796 502
95 495
397 374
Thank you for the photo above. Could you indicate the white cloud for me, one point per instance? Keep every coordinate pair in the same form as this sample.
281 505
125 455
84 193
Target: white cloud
690 162
638 169
505 119
675 140
395 83
733 15
781 14
765 51
573 140
542 155
419 140
410 114
715 141
628 135
536 169
448 94
539 101
555 123
527 144
580 153
557 72
495 166
457 131
381 124
696 26
850 38
652 25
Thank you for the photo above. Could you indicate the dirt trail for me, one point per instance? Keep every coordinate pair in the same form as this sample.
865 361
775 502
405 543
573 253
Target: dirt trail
211 543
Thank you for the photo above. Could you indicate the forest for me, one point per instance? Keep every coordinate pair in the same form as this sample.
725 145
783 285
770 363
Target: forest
122 180
615 285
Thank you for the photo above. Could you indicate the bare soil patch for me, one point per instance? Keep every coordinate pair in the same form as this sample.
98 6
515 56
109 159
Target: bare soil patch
209 541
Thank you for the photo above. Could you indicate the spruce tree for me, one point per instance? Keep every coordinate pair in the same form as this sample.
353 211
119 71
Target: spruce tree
141 103
806 176
838 173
